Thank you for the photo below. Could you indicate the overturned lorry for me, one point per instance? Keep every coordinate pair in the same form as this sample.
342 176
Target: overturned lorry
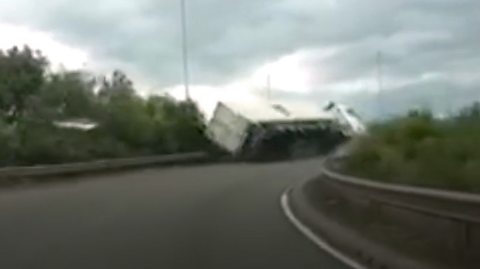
264 132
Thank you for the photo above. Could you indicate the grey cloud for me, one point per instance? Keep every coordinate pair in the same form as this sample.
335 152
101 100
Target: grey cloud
229 38
441 96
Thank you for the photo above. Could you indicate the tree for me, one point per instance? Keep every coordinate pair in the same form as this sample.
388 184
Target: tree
186 125
65 95
32 98
22 74
470 113
117 86
123 112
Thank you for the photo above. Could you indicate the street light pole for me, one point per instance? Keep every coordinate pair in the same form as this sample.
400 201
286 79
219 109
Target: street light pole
380 81
186 76
269 88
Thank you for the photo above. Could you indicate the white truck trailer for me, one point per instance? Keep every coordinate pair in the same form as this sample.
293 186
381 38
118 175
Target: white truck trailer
264 131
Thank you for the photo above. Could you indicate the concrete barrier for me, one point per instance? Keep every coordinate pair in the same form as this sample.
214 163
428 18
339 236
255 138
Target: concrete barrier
12 173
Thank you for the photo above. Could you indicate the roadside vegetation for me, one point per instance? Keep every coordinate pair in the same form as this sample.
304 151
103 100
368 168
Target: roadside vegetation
33 98
421 150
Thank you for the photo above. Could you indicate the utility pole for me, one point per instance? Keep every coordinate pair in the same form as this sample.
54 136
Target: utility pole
379 81
186 75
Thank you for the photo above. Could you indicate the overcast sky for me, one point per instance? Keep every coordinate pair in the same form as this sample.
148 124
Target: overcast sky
314 50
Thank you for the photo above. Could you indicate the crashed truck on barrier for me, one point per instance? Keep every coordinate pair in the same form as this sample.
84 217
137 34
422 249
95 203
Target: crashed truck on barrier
264 131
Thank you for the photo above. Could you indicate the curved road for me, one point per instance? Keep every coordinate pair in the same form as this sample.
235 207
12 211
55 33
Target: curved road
211 216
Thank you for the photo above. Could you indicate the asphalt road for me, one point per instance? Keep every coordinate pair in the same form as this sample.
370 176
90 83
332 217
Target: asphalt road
213 216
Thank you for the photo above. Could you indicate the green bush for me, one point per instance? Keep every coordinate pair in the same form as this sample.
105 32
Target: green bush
420 150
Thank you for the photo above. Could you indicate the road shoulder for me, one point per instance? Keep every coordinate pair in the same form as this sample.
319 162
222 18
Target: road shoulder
300 205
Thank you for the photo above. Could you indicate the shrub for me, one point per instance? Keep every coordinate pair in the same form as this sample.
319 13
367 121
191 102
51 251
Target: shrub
420 150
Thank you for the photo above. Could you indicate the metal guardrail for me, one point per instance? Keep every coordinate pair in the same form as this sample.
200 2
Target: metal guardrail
442 203
99 165
390 187
422 207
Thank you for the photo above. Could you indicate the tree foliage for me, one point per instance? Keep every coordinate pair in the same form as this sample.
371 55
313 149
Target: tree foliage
22 74
33 98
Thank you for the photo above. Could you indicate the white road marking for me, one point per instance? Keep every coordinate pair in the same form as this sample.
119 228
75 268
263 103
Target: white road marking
319 242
